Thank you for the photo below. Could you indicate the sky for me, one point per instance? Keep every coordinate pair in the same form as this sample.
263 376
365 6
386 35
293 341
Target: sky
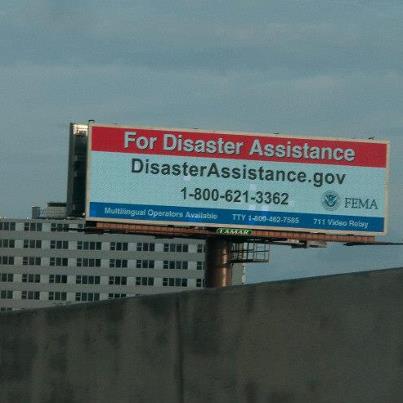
317 68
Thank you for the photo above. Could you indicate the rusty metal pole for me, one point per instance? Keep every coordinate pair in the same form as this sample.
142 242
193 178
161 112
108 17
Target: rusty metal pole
218 262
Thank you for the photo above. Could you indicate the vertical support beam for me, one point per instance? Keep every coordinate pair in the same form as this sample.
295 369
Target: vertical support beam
218 266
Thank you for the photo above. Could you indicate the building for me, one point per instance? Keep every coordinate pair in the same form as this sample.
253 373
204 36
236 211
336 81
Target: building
49 261
52 261
76 175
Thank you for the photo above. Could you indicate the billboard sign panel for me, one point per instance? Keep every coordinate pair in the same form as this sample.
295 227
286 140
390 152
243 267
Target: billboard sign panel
242 180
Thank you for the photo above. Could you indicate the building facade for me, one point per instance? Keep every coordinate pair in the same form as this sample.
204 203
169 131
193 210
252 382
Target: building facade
76 170
45 262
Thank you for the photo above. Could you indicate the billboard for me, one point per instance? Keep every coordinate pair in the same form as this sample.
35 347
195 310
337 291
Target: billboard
244 180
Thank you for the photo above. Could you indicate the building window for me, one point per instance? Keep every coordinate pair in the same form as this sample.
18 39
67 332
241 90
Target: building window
31 278
200 282
5 309
81 279
119 245
118 263
89 245
7 243
58 227
174 282
176 247
145 281
117 280
7 226
57 278
30 295
88 262
201 248
200 265
113 296
58 261
32 243
87 296
6 294
145 264
6 260
175 264
31 261
6 277
145 247
57 296
33 226
59 244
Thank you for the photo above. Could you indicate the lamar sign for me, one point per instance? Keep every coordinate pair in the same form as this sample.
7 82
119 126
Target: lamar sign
234 231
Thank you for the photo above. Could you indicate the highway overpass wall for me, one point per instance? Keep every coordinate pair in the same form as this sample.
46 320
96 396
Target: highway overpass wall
330 339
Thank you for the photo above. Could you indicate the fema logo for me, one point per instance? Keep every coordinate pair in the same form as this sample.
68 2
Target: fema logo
330 200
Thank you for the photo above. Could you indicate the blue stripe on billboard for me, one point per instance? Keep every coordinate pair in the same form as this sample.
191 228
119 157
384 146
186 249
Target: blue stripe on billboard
184 215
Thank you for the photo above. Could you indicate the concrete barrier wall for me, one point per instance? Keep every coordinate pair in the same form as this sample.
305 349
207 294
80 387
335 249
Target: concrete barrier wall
335 339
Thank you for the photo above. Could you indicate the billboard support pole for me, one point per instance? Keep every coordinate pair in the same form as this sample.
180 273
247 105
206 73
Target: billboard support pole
218 262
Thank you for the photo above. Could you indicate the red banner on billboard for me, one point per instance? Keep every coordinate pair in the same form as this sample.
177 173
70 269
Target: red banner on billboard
245 146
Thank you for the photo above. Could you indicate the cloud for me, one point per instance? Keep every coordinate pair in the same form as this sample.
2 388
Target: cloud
288 38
